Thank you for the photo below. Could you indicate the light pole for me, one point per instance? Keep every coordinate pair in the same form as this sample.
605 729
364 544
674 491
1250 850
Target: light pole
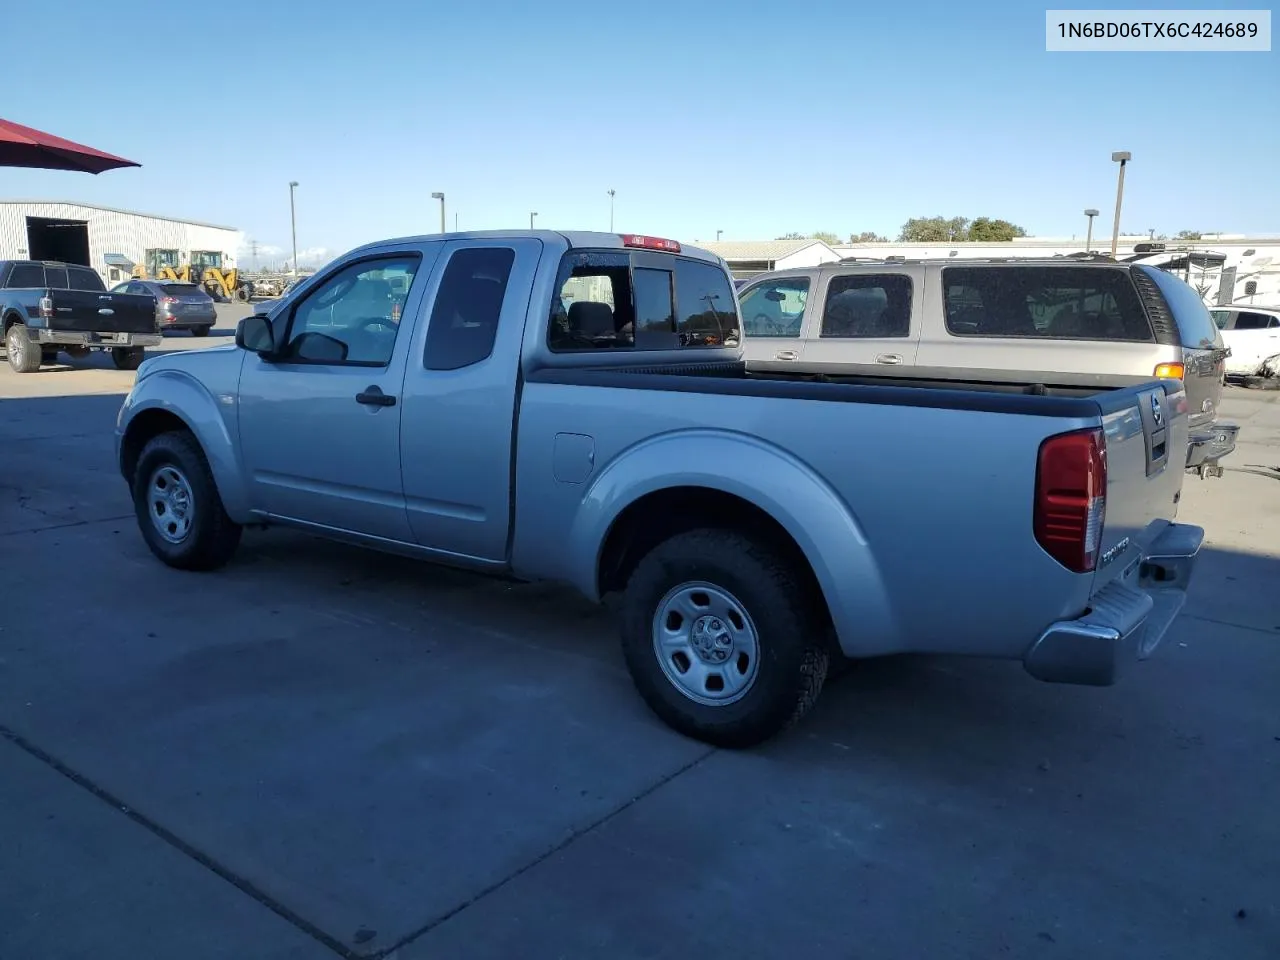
1121 157
1088 237
611 193
293 224
531 216
718 232
440 196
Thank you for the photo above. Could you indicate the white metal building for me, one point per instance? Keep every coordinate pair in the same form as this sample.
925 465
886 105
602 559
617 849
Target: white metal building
109 240
746 258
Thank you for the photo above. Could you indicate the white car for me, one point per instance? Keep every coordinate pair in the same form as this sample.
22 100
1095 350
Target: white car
1253 334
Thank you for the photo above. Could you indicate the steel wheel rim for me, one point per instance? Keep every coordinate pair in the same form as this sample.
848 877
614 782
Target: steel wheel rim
706 643
170 503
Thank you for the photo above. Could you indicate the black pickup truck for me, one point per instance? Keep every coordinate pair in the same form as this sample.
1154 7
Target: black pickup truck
46 307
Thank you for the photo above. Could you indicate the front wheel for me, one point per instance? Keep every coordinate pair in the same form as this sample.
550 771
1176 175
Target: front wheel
127 358
178 507
723 638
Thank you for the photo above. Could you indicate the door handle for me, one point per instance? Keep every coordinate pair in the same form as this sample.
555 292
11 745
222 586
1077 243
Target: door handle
786 355
888 358
374 397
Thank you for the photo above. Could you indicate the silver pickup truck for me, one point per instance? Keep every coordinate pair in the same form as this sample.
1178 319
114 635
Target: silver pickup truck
574 407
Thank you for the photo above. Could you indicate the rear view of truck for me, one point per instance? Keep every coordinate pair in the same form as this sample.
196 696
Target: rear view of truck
49 307
1104 502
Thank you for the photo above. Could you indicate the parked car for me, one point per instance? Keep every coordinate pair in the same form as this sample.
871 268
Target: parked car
1055 321
179 306
1253 336
48 306
548 406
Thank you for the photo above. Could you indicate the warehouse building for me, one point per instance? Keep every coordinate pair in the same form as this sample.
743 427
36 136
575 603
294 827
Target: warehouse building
746 258
111 241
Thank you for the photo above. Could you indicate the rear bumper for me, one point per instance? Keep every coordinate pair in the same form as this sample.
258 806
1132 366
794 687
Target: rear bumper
84 338
1126 619
188 320
1208 444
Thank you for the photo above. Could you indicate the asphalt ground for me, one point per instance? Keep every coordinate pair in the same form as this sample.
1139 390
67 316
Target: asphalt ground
320 752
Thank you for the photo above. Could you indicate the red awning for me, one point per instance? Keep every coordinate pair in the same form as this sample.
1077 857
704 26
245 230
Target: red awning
25 147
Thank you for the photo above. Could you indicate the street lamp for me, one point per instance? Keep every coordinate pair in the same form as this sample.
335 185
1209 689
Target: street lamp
611 193
440 196
531 216
718 232
1088 237
1121 157
293 224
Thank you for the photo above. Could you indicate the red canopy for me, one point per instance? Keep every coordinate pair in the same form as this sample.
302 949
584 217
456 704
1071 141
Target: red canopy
24 147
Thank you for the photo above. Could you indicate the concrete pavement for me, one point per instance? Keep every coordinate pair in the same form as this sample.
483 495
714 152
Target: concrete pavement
325 752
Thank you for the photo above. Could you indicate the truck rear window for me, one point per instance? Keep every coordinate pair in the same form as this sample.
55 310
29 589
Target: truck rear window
668 303
1051 303
83 278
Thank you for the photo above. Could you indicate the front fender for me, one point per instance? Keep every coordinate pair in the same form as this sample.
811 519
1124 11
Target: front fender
772 479
206 415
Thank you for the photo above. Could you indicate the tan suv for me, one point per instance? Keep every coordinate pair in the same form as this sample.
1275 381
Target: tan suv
1055 321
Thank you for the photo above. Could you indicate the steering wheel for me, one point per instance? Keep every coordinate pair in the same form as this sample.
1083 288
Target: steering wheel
368 322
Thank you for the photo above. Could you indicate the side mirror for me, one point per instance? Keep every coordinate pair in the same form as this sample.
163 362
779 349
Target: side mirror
255 333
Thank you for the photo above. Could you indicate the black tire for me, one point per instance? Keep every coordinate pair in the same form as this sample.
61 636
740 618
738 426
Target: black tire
128 358
793 656
200 331
213 536
24 356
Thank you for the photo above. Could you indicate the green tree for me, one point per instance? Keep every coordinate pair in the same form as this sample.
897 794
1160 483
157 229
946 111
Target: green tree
1190 235
934 230
867 236
792 236
830 239
993 231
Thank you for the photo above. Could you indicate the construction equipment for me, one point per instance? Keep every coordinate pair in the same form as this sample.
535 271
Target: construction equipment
205 269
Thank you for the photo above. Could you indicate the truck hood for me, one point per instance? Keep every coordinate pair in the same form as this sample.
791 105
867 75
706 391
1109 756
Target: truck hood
218 368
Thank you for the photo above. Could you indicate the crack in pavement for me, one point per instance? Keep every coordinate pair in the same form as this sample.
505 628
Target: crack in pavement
63 526
247 887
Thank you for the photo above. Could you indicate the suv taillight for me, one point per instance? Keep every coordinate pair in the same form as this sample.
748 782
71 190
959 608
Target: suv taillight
46 307
1071 504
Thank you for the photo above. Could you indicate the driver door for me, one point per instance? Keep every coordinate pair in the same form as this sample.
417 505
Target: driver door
320 424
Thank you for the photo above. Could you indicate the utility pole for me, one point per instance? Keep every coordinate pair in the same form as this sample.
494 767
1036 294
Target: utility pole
293 224
1121 157
611 193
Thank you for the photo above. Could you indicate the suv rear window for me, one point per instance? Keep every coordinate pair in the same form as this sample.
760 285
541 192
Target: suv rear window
666 303
180 289
1053 303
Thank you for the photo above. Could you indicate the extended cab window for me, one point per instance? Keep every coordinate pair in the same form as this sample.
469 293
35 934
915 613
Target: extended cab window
464 319
775 308
869 306
1054 303
668 302
353 316
26 275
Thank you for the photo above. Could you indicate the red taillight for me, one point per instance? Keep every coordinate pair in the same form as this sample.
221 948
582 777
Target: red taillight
1071 487
169 300
649 243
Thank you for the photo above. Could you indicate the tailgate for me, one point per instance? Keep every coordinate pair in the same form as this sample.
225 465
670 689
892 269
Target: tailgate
1146 434
93 312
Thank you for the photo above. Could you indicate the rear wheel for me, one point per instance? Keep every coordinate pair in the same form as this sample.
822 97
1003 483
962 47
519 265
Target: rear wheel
723 638
24 356
127 358
178 507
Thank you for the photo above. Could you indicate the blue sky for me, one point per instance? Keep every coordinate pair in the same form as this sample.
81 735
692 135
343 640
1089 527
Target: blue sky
754 119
